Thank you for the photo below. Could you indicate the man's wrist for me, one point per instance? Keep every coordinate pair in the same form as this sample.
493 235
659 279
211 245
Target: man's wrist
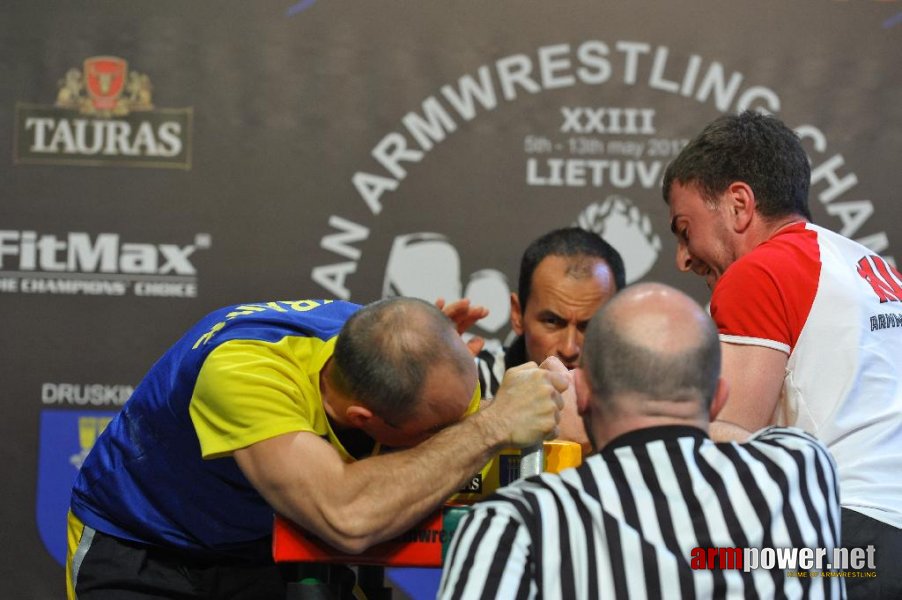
491 429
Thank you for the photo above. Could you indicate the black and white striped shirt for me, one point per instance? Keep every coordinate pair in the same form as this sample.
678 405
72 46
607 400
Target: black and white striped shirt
493 361
625 523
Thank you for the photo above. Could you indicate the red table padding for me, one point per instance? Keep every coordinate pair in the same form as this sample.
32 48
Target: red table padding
419 547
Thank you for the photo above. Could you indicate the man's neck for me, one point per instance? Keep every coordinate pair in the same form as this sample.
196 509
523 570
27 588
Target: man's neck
613 424
333 401
763 229
784 222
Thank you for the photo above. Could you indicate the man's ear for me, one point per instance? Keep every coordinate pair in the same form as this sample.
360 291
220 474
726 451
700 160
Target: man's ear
516 314
742 204
358 416
721 393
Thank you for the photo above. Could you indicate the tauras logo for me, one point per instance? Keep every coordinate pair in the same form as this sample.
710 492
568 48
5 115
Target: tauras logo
84 137
77 252
104 114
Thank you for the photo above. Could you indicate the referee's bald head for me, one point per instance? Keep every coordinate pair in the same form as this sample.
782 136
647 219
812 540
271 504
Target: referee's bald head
655 347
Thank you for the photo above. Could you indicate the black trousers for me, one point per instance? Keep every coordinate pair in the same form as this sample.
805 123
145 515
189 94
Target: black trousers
116 569
859 531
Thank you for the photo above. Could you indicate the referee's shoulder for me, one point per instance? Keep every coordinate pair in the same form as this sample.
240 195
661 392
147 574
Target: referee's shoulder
788 438
505 503
523 495
785 435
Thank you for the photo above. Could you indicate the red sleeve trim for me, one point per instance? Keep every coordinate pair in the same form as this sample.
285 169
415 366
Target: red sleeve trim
765 297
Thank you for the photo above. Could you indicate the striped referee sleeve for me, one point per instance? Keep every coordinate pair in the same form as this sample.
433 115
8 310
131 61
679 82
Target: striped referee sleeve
490 367
495 563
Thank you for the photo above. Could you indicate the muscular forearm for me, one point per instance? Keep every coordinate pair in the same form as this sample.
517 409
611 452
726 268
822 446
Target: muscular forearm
388 494
355 505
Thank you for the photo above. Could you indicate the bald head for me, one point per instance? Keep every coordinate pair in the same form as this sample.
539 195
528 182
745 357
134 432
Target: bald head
386 350
655 348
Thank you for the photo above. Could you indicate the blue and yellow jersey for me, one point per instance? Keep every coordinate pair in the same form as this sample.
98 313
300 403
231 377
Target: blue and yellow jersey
162 472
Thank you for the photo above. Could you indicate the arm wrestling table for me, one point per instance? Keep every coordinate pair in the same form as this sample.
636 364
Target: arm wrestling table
315 570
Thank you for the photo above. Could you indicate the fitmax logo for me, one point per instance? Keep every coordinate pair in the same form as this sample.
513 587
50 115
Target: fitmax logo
76 252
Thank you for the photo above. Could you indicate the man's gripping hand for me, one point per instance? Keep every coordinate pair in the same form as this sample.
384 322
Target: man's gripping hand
528 404
571 427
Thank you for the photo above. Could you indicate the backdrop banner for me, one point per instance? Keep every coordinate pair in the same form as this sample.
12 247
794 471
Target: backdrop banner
162 160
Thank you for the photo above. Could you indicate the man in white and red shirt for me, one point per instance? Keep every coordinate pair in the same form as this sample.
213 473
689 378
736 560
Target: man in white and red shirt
810 322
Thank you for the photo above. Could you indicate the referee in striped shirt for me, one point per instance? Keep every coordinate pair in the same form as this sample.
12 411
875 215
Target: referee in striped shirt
658 493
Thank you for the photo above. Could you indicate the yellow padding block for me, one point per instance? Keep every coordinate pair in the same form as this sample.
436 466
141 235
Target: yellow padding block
561 455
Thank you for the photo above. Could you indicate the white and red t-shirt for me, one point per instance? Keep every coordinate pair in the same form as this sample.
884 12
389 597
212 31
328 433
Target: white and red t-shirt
835 308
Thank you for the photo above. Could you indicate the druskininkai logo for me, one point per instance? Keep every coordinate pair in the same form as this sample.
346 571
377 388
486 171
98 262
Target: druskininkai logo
104 114
66 437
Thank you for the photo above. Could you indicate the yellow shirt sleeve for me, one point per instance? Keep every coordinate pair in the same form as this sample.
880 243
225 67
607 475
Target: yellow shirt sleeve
251 390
